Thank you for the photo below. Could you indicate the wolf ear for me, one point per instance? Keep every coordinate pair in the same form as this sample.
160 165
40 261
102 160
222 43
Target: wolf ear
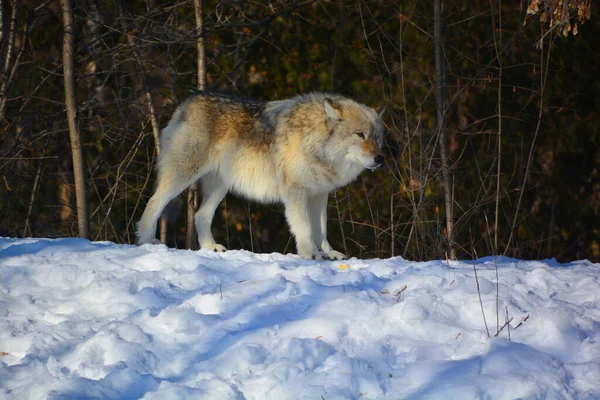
332 110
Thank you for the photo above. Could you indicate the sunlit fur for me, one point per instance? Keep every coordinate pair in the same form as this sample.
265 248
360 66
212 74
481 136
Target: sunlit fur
293 151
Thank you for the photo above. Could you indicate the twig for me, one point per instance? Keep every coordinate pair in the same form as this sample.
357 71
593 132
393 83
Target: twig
543 78
498 43
521 323
398 294
508 327
375 225
487 228
34 192
479 291
131 41
502 327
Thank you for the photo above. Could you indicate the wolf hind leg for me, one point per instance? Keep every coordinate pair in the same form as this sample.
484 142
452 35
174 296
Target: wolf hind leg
169 185
214 190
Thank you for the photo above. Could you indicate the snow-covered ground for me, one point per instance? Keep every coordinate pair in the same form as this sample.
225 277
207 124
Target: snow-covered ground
82 319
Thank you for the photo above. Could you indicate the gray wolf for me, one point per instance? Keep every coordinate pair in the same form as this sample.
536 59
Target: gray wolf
293 151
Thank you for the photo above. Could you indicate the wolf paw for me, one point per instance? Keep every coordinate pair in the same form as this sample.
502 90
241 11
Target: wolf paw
335 255
331 254
217 248
312 255
149 241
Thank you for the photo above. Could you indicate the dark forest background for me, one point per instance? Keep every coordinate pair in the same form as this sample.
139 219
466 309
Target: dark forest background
520 117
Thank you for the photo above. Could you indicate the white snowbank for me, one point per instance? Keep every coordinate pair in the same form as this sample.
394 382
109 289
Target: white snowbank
83 319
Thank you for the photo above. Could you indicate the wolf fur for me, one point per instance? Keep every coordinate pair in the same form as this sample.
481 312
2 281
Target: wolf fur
293 151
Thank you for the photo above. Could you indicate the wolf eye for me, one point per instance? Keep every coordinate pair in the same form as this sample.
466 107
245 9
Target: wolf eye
360 135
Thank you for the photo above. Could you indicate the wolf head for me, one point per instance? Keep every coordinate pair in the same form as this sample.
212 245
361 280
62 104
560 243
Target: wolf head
356 132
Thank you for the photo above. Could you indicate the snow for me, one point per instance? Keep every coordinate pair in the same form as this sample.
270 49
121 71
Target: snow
82 319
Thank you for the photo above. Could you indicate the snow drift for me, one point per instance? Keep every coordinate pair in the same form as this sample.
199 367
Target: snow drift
82 319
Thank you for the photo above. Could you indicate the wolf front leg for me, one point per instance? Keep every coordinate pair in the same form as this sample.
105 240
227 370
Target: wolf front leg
297 213
318 211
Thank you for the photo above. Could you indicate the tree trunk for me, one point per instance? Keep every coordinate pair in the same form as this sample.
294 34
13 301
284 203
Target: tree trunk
440 99
498 47
192 203
71 104
65 191
7 65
